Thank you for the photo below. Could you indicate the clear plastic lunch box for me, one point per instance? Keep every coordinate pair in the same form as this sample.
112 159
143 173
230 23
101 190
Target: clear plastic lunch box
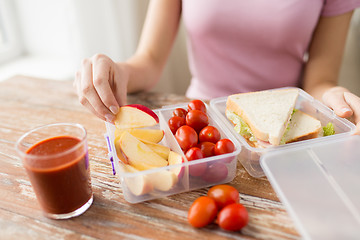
317 180
319 185
250 156
223 166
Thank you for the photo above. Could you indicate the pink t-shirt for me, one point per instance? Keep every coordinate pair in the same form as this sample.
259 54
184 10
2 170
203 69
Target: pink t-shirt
239 46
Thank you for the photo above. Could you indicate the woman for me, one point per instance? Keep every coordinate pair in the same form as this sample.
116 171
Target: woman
234 46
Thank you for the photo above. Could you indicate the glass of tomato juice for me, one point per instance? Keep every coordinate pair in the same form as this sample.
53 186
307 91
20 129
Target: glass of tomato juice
56 160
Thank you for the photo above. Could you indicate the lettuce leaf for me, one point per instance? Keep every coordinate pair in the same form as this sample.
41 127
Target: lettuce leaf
283 138
240 126
329 129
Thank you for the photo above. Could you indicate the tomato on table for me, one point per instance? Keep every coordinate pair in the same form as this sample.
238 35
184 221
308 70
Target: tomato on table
233 217
223 195
202 212
222 201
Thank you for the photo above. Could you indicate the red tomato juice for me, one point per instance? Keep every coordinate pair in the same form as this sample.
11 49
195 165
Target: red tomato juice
60 175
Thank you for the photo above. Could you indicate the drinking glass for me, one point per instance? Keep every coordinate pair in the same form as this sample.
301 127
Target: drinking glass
56 160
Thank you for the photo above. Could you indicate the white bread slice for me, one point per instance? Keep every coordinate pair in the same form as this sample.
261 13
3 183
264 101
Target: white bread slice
266 112
301 127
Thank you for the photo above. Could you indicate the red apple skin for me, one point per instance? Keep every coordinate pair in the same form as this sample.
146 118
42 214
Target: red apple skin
145 109
135 116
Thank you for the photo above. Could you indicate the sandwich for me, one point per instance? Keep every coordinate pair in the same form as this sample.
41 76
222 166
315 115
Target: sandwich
301 127
269 118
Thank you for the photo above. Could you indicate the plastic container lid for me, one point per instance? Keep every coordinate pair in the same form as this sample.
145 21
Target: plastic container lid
319 183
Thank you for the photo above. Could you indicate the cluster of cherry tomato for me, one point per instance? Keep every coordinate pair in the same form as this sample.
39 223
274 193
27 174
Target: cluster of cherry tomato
196 137
222 204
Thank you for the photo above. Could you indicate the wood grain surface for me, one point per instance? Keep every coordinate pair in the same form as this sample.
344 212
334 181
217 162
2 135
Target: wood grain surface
26 103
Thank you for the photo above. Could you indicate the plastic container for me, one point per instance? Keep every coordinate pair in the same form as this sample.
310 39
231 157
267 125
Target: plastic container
318 182
154 183
250 156
317 179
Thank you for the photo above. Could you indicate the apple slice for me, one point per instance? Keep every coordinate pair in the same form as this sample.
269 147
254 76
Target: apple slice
163 180
135 116
139 184
161 150
151 135
119 153
138 154
175 158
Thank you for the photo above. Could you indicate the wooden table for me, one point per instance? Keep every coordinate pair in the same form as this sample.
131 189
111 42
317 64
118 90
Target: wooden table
26 103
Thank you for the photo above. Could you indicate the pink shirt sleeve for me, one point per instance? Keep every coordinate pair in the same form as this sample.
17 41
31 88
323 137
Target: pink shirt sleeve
337 7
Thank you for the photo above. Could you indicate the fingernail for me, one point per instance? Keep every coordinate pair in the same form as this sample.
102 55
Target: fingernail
109 117
114 109
345 109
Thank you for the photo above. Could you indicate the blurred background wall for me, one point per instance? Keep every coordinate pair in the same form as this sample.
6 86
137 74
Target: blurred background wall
48 39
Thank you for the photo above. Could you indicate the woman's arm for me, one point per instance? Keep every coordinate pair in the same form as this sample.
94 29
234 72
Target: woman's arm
323 66
160 29
102 84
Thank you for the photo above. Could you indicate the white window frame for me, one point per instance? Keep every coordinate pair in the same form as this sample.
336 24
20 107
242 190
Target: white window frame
13 46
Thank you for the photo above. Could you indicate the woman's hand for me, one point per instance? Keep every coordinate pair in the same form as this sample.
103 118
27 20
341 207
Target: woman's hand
101 85
344 103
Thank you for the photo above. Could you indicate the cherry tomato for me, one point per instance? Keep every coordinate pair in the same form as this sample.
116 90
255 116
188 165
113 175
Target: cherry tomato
202 212
194 153
186 137
233 217
197 105
176 122
215 172
223 195
197 119
180 112
209 134
198 169
207 148
224 146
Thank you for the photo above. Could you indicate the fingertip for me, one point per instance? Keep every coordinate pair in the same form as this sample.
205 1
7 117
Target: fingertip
344 112
114 109
357 130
